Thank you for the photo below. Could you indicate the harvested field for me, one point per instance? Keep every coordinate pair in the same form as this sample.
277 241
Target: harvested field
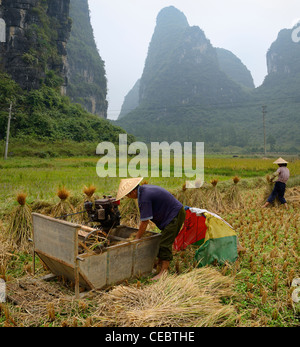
257 290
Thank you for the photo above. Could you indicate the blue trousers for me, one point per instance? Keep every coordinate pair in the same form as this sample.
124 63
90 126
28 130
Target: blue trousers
278 191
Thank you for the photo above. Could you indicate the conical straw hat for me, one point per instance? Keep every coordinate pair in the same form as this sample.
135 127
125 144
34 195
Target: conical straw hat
280 161
127 185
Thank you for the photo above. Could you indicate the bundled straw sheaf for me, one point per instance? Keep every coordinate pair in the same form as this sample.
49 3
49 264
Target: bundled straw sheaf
20 224
190 299
63 207
233 196
89 191
268 189
293 195
130 212
192 197
215 198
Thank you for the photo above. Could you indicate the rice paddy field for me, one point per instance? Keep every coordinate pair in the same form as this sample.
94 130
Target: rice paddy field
259 289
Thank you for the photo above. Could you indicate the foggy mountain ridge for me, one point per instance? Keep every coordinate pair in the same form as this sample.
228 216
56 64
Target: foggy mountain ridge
190 90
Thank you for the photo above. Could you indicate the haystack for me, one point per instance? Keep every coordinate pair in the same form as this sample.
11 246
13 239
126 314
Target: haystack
63 207
215 199
293 195
88 195
89 192
4 252
233 196
129 211
188 300
20 225
192 197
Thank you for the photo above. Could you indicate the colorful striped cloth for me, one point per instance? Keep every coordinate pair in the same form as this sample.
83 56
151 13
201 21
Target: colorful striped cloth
217 239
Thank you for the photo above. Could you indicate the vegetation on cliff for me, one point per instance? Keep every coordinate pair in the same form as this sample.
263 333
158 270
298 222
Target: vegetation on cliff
33 79
43 115
87 83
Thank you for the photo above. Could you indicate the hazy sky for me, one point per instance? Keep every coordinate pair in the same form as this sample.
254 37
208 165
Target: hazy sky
123 30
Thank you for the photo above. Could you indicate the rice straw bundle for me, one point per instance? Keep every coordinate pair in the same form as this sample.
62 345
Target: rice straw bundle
214 182
293 195
89 192
191 299
64 206
41 206
79 203
129 211
5 246
233 196
215 199
268 189
20 225
192 197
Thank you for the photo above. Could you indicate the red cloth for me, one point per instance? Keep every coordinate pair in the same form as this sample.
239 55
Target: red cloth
193 230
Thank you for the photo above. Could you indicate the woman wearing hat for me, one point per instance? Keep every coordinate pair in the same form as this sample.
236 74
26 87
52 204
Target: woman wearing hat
283 174
159 206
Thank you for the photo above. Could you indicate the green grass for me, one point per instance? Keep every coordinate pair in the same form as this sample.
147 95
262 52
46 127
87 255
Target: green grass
40 177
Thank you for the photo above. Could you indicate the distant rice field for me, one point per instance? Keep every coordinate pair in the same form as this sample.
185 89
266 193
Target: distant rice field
41 178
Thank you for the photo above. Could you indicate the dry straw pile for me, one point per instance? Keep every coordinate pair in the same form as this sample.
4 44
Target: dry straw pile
20 224
215 199
233 196
63 207
89 195
192 197
5 246
89 192
293 195
129 211
189 300
35 301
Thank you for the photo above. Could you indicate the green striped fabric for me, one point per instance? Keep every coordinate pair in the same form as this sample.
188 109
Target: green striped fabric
220 243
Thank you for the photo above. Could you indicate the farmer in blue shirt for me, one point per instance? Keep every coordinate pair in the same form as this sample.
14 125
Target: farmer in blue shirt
159 206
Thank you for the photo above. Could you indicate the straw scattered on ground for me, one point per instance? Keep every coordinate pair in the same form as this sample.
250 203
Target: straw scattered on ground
37 301
191 299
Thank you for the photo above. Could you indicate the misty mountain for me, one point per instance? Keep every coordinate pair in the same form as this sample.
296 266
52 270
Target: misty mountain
234 68
131 100
191 91
283 63
182 67
228 63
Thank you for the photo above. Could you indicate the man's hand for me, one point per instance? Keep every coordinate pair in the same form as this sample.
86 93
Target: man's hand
142 229
273 176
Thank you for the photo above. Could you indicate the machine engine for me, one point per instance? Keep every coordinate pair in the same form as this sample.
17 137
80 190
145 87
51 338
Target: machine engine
104 211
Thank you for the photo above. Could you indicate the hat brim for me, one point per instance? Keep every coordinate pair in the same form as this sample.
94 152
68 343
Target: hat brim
280 161
127 185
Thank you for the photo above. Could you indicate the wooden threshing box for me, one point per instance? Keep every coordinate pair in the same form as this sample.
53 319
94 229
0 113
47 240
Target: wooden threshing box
56 243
